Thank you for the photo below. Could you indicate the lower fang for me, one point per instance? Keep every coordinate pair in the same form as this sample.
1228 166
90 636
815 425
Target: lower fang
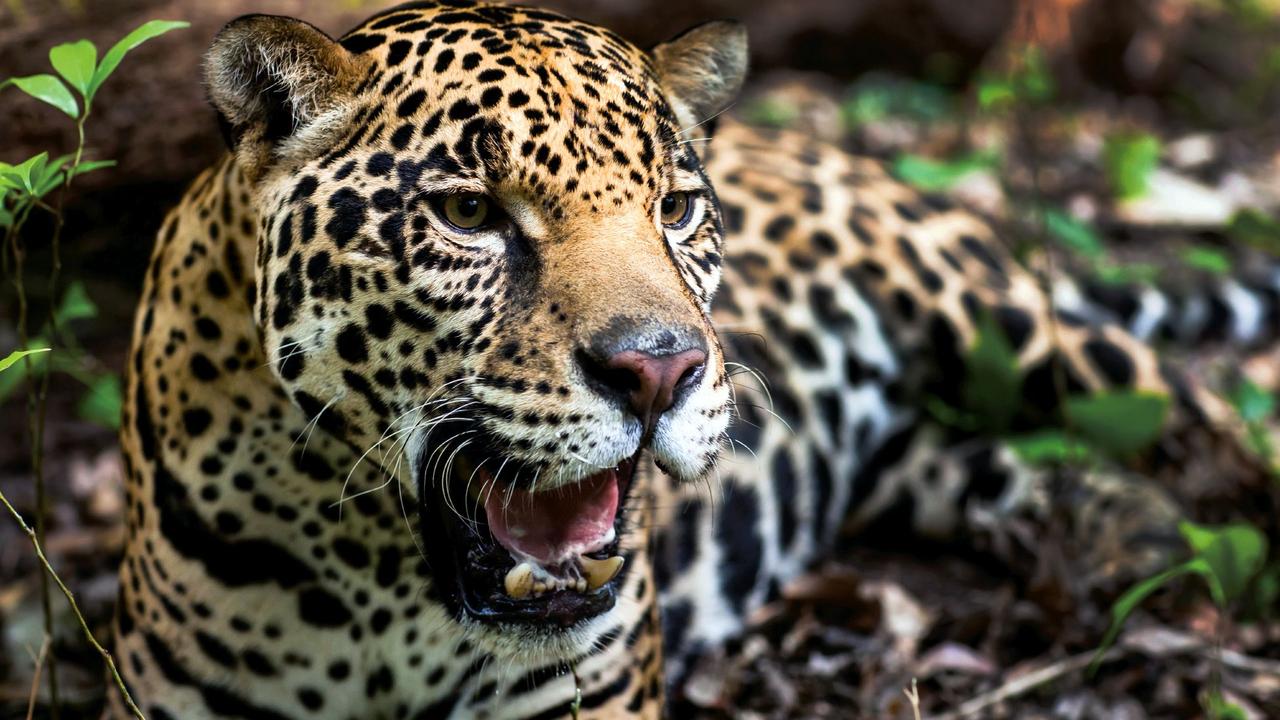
599 572
519 581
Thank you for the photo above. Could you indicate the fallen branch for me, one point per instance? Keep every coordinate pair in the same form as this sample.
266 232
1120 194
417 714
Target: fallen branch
75 608
1026 683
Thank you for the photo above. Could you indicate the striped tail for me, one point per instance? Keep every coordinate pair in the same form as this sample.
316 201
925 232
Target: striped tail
1242 308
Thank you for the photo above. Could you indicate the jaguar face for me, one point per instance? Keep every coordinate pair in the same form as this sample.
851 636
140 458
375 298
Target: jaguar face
486 258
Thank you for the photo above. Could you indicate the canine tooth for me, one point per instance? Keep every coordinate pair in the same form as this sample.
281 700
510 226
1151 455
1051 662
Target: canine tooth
519 581
599 572
581 585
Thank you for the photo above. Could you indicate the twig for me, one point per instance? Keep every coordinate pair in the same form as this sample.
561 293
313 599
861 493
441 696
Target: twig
913 695
1248 663
75 608
1026 683
35 678
35 430
41 403
1183 643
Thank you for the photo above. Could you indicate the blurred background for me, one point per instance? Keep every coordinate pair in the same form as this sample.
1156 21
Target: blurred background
1135 137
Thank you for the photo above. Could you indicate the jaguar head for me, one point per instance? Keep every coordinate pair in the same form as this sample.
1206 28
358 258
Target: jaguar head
486 256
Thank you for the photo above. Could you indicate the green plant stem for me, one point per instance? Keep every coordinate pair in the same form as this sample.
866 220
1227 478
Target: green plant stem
42 395
38 383
34 431
75 607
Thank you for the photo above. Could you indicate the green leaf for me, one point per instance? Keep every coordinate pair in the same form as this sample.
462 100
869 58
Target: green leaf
1074 234
91 165
932 175
12 373
1219 708
29 172
17 355
877 98
770 112
1234 554
1121 423
55 176
1252 402
1030 81
102 402
1132 598
49 89
1129 160
950 416
75 62
991 381
1267 592
1049 447
8 178
75 305
117 52
995 93
1256 229
1125 273
1035 78
863 107
1207 259
48 177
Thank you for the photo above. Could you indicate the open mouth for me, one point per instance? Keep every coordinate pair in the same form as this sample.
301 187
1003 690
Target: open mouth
501 553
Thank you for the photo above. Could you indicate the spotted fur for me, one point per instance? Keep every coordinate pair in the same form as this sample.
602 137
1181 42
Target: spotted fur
311 346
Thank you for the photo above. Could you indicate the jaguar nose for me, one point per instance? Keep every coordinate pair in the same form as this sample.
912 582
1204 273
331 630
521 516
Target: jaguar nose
654 383
647 377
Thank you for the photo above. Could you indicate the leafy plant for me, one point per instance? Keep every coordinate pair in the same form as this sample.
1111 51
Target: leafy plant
1227 558
1073 234
1256 229
25 187
878 97
1255 406
1116 424
101 401
1217 708
934 175
1081 239
17 355
1129 159
991 385
1230 560
1119 423
1051 447
1208 259
770 112
1029 82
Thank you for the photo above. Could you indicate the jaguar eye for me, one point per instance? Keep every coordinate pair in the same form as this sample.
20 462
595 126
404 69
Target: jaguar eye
465 211
675 209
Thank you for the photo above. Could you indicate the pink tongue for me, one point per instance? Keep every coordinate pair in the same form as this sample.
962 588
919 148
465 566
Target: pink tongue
554 525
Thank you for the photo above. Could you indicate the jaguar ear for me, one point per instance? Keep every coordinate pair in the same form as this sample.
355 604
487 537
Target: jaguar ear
702 69
277 84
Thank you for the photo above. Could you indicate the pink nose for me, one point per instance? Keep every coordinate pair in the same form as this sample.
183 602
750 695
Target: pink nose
653 383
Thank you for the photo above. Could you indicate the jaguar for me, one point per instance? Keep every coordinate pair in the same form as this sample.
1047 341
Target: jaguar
496 372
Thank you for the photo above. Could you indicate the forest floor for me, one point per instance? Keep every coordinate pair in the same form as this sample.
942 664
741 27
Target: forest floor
886 630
